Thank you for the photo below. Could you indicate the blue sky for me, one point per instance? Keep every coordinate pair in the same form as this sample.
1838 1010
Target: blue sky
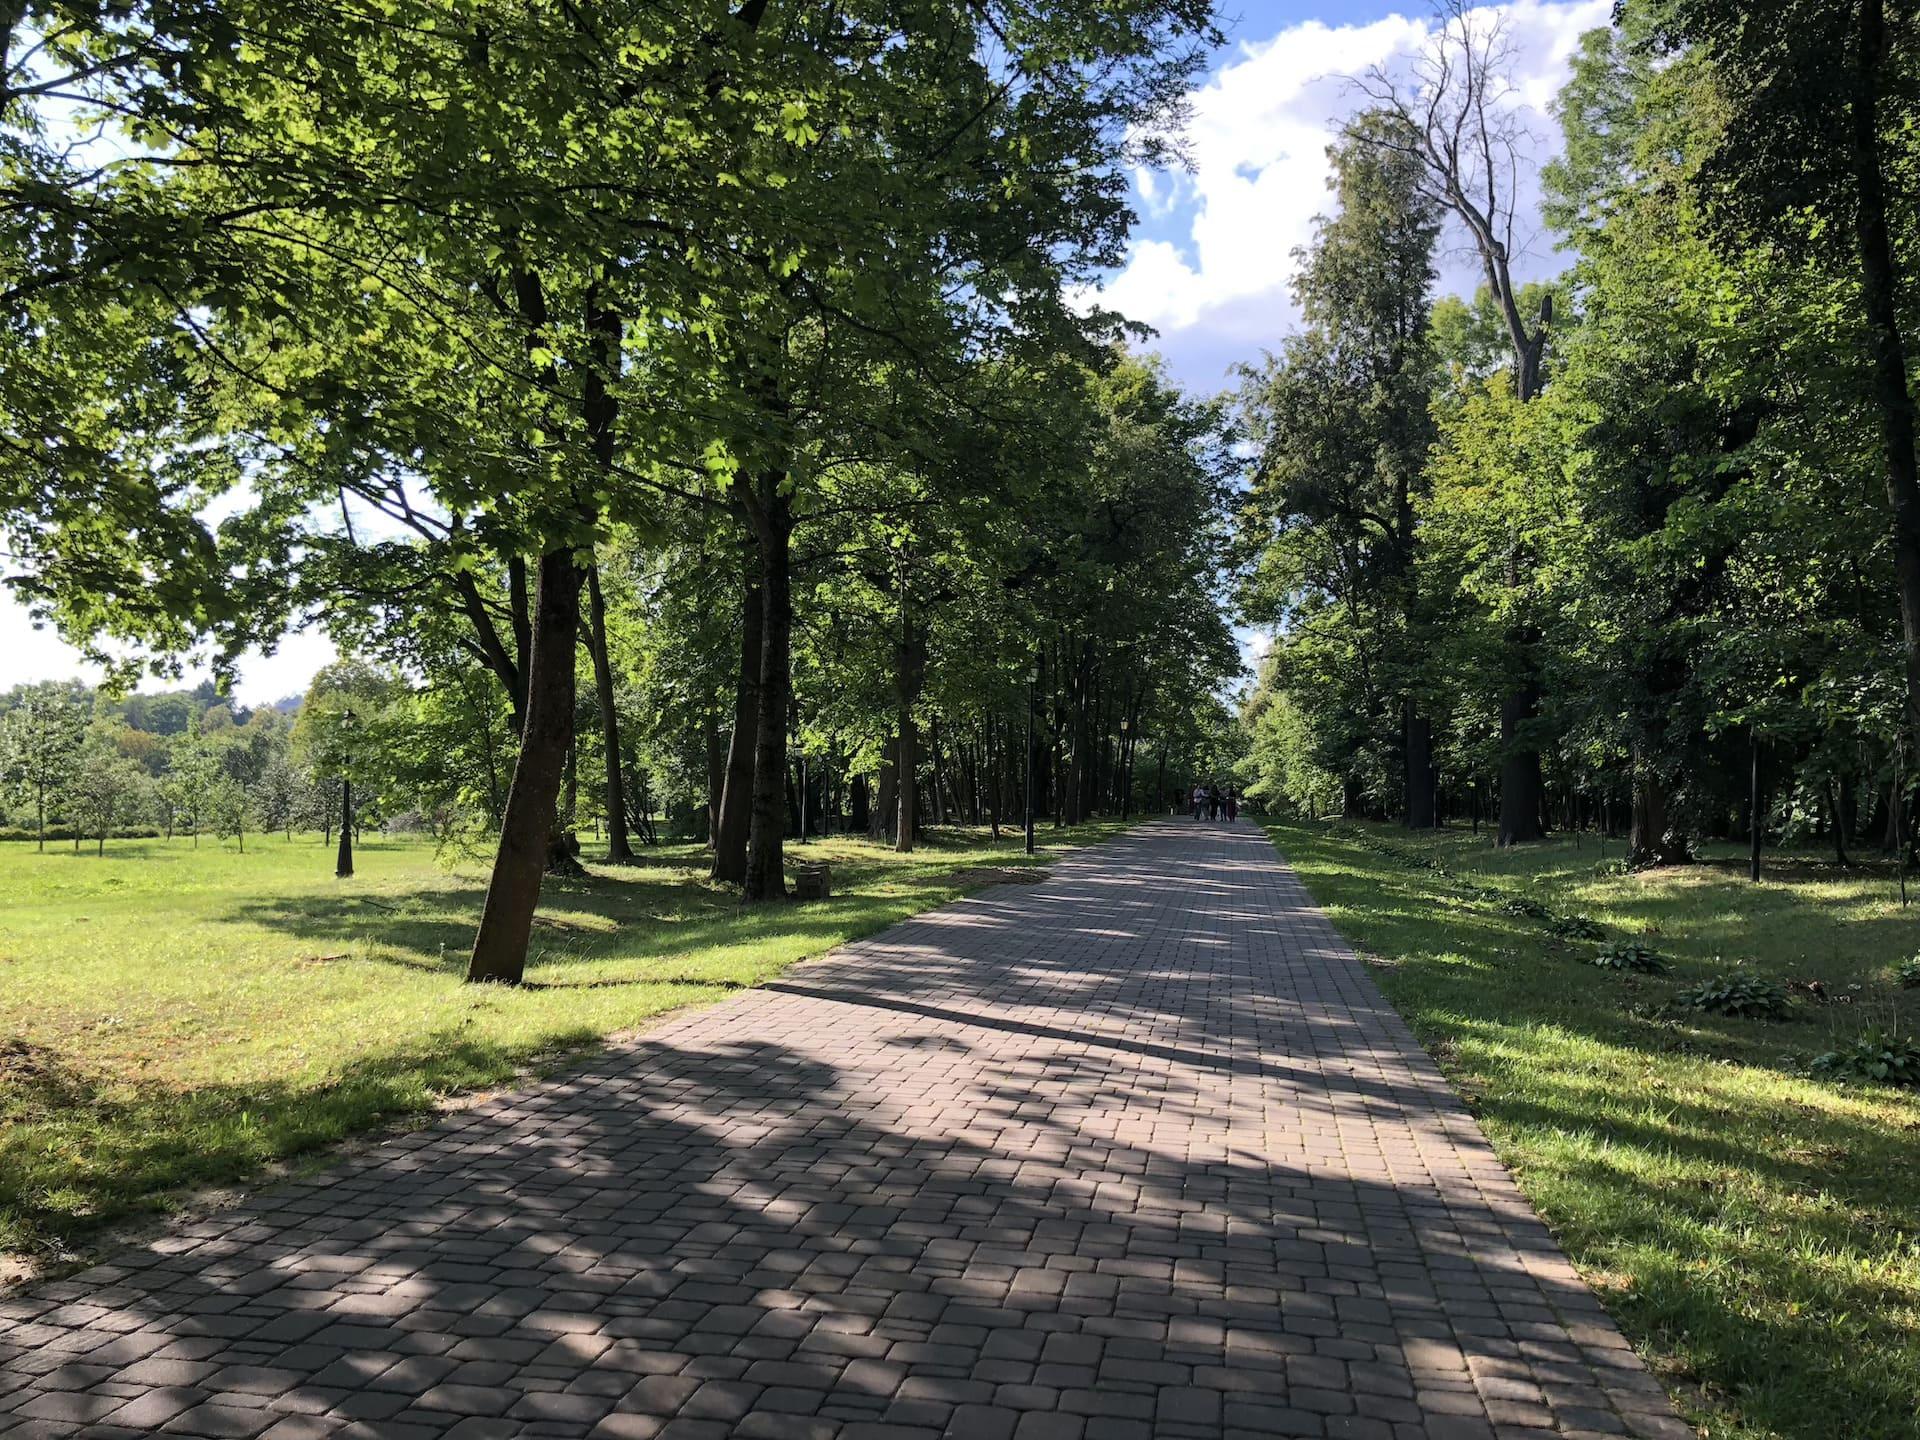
1211 259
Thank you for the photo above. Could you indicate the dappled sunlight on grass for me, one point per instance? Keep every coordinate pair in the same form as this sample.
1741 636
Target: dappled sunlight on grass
175 1016
1756 1231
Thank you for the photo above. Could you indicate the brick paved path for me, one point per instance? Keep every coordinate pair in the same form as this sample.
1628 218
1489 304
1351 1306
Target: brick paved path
1139 1151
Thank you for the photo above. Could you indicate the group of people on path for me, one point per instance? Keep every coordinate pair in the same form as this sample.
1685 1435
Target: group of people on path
1215 802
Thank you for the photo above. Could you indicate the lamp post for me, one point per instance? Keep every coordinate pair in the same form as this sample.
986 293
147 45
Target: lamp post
343 865
1033 679
1126 771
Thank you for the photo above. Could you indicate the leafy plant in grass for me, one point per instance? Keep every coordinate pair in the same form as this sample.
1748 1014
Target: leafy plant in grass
1742 994
1526 907
1631 955
1909 973
1873 1055
1576 927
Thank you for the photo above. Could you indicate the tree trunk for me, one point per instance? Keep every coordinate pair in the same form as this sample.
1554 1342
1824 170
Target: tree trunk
736 794
343 859
772 515
1835 800
1417 732
716 779
1886 346
1521 791
906 749
1650 836
997 768
506 921
886 796
619 851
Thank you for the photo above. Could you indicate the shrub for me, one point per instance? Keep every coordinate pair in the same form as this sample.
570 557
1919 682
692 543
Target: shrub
1576 927
1909 973
1874 1055
1631 955
1531 909
1742 994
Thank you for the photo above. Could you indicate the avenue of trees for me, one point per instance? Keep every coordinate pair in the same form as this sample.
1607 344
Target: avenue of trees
672 408
1639 547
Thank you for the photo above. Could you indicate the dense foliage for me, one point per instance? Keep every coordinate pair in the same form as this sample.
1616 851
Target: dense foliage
1655 573
672 408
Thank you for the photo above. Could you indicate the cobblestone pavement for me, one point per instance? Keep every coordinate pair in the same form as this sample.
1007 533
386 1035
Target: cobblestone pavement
1136 1151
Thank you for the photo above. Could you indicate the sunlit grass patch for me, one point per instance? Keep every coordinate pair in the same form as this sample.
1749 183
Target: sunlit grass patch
1754 1226
173 1017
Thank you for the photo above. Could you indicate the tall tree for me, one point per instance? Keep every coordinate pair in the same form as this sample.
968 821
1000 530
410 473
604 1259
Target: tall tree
1342 422
1458 118
1818 99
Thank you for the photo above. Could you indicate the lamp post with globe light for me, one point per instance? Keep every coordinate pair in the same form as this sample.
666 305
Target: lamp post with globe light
1033 679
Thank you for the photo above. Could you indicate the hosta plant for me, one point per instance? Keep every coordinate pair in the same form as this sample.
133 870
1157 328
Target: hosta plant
1874 1055
1576 927
1909 973
1531 909
1741 994
1631 955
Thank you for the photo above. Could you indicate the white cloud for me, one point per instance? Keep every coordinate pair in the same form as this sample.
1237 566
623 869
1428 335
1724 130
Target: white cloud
1261 125
35 652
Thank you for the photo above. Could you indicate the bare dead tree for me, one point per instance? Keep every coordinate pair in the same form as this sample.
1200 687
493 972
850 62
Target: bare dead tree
1454 111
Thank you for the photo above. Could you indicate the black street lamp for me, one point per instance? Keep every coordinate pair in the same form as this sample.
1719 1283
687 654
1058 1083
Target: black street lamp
343 865
1033 678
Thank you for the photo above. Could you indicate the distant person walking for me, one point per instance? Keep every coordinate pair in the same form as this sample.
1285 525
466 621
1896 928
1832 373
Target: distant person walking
1213 802
1233 805
1199 799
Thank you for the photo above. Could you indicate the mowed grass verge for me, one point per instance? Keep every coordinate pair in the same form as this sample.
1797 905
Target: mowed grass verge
1756 1232
173 1017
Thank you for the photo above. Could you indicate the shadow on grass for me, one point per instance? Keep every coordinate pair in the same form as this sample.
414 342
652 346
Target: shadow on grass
78 1152
83 1149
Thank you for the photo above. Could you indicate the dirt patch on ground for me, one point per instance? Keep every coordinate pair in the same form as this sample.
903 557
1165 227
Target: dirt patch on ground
981 875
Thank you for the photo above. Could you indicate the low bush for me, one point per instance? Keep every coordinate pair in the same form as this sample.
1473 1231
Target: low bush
1529 908
64 833
1908 973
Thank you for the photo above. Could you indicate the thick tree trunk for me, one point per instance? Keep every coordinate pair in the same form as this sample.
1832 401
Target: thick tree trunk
506 921
1417 731
618 849
766 831
1886 346
1651 838
343 860
1521 791
907 751
736 793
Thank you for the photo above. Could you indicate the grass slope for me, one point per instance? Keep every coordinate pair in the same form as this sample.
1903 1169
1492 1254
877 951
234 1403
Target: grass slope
173 1016
1757 1233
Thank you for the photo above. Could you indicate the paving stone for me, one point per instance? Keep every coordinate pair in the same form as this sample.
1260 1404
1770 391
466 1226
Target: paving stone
1134 1151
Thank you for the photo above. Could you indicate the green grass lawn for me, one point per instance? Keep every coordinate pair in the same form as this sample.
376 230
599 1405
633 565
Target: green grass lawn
174 1017
1756 1232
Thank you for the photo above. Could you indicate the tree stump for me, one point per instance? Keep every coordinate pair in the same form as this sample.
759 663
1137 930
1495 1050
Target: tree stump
812 880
